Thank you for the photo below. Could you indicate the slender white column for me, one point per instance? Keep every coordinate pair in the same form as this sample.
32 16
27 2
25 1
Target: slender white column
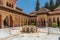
2 23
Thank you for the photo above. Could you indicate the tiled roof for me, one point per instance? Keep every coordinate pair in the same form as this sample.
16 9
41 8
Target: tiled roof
33 12
58 8
54 12
43 10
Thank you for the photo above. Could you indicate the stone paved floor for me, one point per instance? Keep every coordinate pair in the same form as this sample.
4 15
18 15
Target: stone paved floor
36 36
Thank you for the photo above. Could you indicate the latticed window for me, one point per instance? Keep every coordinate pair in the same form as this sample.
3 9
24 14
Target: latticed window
7 4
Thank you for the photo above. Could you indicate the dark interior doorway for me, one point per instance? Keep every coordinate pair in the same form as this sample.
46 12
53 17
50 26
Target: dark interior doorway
8 22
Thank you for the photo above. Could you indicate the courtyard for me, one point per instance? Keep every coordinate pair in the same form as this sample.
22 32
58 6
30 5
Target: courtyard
46 33
41 23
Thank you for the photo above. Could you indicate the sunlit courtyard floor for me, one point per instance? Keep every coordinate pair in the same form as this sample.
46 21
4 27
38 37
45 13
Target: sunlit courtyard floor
15 34
41 37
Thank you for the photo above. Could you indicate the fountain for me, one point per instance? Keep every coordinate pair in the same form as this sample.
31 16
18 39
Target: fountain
29 29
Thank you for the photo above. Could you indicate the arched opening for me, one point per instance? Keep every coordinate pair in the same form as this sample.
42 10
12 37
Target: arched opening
44 22
58 21
41 22
50 22
54 20
11 21
8 22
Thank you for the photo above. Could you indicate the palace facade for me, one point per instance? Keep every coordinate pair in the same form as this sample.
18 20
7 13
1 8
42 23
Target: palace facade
11 16
44 17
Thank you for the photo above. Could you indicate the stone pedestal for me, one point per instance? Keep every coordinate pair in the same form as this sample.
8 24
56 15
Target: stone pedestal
29 29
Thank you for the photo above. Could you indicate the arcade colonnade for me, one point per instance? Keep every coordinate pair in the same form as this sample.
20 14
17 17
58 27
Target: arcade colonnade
45 20
45 17
13 19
